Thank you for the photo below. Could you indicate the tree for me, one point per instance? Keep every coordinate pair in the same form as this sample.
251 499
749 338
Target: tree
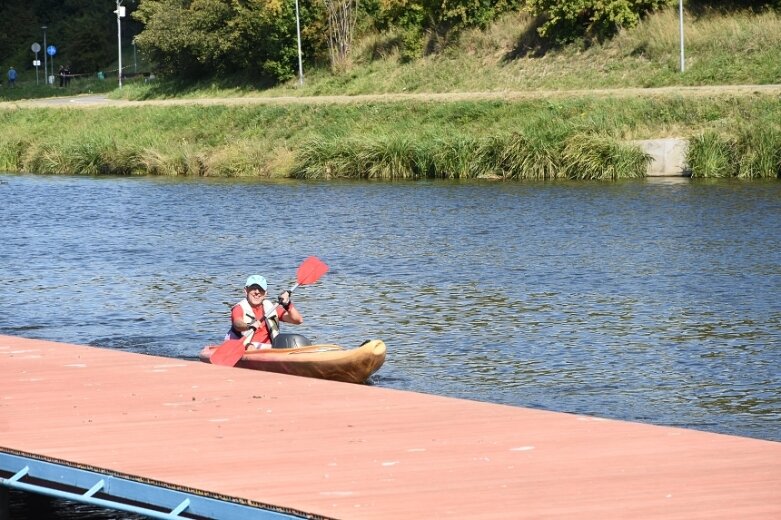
83 31
342 15
198 38
444 18
566 21
18 34
446 14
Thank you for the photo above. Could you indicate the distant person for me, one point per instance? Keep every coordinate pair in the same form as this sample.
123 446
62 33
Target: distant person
61 74
12 77
67 72
248 317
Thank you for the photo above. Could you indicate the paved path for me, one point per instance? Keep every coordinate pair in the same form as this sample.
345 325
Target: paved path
89 101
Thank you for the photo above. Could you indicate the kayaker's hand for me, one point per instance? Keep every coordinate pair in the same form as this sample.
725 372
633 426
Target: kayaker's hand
255 325
284 300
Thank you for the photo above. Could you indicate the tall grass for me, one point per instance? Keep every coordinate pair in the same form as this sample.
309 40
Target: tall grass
460 157
590 157
519 156
455 156
752 152
711 155
579 138
11 151
759 152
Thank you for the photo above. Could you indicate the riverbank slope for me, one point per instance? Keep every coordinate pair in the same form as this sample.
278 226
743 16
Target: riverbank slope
476 110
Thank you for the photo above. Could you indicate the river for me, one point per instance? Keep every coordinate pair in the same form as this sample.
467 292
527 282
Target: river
653 300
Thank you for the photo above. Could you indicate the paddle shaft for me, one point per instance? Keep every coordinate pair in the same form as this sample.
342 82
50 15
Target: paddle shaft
273 310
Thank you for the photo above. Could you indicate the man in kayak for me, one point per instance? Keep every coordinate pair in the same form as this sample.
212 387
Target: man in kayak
260 317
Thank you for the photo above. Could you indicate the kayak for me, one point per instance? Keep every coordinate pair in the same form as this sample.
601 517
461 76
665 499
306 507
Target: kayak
320 361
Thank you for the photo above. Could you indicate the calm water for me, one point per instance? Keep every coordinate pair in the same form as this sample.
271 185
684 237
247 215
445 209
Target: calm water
652 301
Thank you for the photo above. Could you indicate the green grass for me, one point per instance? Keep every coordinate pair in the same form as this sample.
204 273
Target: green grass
580 138
26 88
734 48
711 156
753 152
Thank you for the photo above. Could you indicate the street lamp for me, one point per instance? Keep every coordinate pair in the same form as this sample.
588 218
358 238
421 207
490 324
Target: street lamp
45 70
298 34
135 61
680 16
120 14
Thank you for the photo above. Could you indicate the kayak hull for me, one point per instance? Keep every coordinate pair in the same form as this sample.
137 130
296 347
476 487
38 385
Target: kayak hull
319 361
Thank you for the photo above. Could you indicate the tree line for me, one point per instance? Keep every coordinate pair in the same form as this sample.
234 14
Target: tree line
84 32
193 39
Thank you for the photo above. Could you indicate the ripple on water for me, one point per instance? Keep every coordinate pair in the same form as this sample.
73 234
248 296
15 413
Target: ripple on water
641 301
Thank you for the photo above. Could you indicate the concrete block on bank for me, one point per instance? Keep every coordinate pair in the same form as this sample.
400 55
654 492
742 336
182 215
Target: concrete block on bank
668 157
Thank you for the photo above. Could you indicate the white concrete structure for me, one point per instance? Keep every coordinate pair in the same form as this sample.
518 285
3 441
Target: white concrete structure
669 157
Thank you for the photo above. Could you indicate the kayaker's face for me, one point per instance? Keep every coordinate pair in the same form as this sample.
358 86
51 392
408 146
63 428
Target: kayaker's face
255 295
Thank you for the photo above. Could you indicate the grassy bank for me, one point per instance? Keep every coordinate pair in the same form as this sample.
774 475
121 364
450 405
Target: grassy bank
721 48
573 138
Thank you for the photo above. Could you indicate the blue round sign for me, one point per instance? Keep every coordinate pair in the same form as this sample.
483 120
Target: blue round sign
51 50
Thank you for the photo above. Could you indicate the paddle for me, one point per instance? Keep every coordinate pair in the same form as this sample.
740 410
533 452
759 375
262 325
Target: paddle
229 353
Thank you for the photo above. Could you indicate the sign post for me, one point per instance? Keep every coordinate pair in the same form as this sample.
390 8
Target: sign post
51 50
36 48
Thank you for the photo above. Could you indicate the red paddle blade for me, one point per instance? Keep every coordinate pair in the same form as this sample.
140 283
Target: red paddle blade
311 270
229 353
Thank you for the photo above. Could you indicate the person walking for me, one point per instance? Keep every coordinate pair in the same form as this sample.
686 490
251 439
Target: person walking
12 77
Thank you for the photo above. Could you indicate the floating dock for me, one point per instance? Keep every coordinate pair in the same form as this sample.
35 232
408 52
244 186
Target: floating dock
182 439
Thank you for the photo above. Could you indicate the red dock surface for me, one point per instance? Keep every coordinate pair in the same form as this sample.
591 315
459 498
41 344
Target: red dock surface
359 452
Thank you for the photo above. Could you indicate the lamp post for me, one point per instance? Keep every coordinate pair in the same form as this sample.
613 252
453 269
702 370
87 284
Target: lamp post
680 16
298 34
120 14
45 69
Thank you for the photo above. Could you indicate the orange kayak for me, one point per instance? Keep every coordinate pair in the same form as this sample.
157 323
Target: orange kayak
321 361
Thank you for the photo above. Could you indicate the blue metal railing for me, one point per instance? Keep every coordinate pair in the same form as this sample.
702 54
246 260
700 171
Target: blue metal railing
110 492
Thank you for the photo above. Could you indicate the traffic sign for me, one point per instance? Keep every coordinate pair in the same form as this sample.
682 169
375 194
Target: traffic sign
36 63
51 50
36 47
